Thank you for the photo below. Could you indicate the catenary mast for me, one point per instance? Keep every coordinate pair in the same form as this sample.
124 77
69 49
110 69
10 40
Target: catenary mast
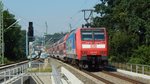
1 34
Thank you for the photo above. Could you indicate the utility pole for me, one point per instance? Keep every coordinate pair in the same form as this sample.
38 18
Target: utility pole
27 44
46 28
45 35
1 34
70 27
88 17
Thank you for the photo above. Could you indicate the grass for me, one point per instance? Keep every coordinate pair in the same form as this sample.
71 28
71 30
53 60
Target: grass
47 69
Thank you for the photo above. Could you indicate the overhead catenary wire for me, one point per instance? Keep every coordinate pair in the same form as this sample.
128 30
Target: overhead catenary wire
75 20
82 6
23 19
71 18
20 15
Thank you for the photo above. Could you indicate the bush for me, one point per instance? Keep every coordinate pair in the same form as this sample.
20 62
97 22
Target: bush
141 55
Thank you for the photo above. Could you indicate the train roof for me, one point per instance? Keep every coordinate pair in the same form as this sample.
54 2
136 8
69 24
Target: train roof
98 28
66 36
94 28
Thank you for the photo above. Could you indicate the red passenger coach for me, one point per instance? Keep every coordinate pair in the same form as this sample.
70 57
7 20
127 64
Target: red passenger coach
62 47
90 45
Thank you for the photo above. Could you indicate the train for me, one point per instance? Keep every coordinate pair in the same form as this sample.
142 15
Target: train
86 47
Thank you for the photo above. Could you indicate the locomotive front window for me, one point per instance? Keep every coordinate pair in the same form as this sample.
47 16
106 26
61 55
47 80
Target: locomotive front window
92 35
87 35
98 36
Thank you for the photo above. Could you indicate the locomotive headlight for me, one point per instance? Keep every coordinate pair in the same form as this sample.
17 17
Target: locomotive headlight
101 46
86 46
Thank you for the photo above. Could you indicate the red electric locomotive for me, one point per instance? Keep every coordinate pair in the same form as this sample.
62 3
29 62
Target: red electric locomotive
88 47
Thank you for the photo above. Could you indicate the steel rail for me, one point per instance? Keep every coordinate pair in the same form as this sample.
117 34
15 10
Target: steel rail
122 77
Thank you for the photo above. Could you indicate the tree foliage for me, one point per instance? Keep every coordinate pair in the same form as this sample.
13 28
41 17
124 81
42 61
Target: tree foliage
141 55
128 24
12 37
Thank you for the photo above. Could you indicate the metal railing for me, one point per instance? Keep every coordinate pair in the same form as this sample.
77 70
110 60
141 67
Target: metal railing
22 72
10 73
137 68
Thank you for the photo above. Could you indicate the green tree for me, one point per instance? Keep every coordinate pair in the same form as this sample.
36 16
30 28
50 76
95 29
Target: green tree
12 37
120 47
141 55
128 25
23 44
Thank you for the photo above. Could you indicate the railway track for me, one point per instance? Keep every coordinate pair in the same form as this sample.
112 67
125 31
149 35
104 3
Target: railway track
98 77
106 72
106 81
122 77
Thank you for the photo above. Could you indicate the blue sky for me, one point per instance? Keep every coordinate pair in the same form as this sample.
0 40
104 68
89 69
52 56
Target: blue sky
57 13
